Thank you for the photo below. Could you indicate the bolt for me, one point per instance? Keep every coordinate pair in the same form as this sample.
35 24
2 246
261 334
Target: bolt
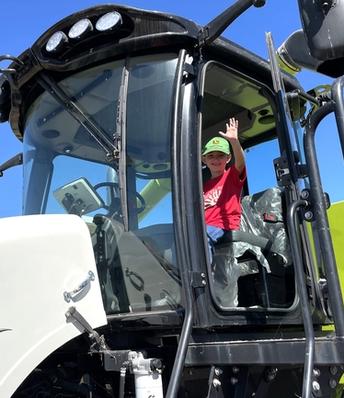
332 383
333 370
216 383
316 386
235 369
233 380
202 275
204 282
305 194
217 371
155 364
271 374
308 215
316 372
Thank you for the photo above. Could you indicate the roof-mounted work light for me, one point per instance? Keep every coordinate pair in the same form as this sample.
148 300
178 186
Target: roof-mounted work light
56 41
80 28
109 21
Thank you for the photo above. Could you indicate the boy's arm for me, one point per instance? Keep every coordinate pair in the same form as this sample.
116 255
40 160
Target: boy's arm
232 136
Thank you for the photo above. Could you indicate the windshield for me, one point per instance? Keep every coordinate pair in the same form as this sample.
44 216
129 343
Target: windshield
126 201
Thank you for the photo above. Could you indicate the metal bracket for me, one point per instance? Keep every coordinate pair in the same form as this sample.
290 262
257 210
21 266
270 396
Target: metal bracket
203 36
282 171
302 170
323 286
114 359
307 212
74 316
188 73
117 146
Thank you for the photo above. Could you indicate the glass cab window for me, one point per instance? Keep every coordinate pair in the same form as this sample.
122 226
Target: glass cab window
121 199
251 267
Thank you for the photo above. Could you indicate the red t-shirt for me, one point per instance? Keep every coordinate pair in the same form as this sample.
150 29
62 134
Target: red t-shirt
221 195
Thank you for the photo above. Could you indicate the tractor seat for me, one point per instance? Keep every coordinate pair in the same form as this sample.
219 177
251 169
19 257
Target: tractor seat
252 265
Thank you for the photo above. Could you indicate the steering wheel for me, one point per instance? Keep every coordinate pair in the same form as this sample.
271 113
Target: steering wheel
115 187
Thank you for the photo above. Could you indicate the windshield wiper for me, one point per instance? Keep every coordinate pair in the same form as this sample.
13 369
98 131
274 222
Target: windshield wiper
74 110
120 140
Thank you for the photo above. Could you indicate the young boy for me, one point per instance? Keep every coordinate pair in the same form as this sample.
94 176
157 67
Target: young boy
222 191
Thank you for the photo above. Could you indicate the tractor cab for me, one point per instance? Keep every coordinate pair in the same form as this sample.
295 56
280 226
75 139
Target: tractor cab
114 169
110 161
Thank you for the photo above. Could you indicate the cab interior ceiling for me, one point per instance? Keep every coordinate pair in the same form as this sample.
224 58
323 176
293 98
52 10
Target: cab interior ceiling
227 95
51 132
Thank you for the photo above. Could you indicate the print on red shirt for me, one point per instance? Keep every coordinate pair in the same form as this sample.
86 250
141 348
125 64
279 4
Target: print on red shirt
222 199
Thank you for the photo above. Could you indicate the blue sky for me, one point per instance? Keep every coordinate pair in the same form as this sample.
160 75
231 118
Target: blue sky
24 21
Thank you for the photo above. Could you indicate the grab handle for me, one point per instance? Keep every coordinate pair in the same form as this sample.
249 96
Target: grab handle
74 294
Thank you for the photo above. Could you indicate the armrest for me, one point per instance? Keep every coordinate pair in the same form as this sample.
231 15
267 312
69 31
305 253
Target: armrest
247 237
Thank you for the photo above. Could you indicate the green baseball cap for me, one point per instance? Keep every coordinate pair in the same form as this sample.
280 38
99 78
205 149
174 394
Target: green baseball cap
216 144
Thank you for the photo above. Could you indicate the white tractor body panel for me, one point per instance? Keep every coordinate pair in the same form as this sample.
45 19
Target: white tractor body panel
41 258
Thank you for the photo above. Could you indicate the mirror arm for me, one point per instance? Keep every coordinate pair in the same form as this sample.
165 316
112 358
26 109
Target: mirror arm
16 160
214 28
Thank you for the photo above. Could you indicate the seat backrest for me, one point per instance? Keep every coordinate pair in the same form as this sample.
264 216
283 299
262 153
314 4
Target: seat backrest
262 215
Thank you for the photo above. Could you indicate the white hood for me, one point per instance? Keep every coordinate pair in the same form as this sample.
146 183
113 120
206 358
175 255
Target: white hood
42 259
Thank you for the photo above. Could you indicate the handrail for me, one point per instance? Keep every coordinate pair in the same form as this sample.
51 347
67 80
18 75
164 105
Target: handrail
302 290
320 216
337 95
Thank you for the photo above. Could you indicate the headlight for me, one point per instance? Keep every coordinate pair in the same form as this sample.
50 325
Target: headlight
109 21
80 28
56 41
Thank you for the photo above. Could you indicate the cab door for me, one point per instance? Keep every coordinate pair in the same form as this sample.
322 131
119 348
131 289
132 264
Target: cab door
252 270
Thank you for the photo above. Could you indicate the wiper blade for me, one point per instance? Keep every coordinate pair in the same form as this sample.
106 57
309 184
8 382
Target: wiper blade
74 110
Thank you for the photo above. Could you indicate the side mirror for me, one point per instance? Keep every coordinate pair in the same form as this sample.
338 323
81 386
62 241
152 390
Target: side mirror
295 54
322 22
